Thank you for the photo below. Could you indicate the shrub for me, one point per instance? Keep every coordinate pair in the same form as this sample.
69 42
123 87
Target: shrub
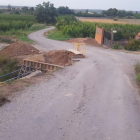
138 77
3 60
115 19
133 45
137 69
116 46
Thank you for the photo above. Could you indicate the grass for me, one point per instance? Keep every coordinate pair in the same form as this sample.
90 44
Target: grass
22 34
26 32
57 35
7 65
137 69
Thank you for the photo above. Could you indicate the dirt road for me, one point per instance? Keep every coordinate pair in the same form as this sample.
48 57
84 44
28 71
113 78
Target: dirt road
95 99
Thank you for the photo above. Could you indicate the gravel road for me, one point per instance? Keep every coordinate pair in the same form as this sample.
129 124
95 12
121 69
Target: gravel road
94 99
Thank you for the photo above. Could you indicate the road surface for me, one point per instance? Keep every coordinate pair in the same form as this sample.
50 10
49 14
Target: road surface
94 99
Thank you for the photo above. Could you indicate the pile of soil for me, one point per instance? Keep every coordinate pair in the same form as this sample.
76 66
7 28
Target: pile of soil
59 57
87 41
19 49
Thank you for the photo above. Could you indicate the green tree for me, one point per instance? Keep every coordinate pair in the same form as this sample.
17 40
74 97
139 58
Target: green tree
9 7
87 11
45 13
25 9
62 10
31 9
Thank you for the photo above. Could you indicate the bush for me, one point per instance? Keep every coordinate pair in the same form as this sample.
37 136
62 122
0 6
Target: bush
137 69
133 45
3 60
116 46
115 19
138 77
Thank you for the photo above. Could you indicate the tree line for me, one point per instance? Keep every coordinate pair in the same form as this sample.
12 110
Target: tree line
115 12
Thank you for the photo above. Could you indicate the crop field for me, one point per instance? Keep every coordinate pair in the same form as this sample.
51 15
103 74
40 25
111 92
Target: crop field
15 22
104 20
18 26
16 17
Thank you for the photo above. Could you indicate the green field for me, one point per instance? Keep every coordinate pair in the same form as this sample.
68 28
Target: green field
19 26
17 17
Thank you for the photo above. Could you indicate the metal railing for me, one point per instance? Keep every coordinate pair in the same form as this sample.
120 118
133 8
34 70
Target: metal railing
15 74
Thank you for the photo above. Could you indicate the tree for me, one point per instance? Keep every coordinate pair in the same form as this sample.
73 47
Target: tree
9 7
87 11
45 13
122 13
25 9
31 9
112 12
65 11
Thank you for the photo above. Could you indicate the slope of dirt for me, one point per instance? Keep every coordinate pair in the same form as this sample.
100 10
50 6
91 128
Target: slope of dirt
19 49
87 41
59 57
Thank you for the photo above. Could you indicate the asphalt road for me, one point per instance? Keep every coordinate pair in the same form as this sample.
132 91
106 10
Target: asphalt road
94 99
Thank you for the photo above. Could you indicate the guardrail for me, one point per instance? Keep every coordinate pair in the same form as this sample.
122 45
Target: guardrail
16 74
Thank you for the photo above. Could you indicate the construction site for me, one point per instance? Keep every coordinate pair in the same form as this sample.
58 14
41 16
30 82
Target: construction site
31 62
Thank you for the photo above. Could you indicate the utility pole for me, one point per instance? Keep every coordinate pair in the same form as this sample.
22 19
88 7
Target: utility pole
112 38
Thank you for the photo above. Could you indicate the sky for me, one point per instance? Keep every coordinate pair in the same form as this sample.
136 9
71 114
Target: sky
133 5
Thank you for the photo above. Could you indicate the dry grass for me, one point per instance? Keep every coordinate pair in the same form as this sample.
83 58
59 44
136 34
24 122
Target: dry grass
130 21
101 20
120 21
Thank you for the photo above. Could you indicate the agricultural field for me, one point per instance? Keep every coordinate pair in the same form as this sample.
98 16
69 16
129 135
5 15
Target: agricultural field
15 22
18 26
104 20
17 17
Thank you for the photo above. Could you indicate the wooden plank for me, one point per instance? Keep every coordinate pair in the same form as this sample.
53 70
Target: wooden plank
44 63
74 51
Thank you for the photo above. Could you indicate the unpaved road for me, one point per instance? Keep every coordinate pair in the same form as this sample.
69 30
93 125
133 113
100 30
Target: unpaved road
95 99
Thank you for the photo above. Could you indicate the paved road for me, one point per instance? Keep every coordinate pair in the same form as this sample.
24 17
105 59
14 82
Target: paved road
95 99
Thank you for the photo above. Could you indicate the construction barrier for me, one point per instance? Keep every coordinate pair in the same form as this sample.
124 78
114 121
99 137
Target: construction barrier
99 36
81 47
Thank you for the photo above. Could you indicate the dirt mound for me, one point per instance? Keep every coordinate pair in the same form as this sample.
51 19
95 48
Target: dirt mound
19 49
87 41
59 57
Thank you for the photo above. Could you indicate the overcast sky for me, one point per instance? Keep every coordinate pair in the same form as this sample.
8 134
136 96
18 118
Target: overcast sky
81 4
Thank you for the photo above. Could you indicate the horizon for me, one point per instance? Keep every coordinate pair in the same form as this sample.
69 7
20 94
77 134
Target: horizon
97 5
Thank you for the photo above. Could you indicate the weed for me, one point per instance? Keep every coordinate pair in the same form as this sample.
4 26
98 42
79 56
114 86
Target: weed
137 69
138 78
133 45
7 65
116 46
3 60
